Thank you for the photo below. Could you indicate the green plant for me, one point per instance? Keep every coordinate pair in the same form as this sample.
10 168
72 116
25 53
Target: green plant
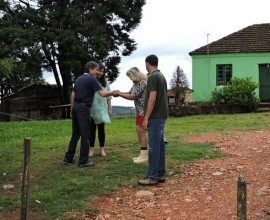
218 96
240 91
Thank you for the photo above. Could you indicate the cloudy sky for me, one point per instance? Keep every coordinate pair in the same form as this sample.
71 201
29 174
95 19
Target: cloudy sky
173 28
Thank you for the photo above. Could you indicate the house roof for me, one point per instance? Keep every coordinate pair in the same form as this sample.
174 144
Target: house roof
252 39
29 87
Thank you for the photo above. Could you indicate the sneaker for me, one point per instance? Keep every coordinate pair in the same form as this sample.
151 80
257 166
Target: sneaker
147 182
89 164
69 162
162 180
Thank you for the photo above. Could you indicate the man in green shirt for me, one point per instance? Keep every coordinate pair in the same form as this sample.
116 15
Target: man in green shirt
155 115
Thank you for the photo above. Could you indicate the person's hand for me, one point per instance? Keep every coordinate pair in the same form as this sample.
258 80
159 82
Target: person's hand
70 114
145 124
115 93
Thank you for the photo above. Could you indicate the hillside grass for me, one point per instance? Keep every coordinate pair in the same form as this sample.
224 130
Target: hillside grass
61 188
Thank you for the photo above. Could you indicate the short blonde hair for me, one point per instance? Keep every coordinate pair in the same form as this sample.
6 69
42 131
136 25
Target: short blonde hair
136 75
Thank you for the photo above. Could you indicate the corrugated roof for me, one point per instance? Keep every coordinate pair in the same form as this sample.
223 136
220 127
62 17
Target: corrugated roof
252 39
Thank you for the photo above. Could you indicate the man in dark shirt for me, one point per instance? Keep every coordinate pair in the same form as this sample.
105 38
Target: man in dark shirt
84 90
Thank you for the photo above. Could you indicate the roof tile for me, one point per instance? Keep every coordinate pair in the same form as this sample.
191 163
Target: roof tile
252 39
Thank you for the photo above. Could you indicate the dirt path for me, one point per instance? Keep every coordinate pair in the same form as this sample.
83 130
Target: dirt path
206 190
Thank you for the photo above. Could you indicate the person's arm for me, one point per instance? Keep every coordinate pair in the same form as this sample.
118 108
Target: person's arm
109 98
109 107
150 106
105 93
72 97
125 95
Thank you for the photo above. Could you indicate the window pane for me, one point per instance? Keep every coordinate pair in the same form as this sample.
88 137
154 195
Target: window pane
224 74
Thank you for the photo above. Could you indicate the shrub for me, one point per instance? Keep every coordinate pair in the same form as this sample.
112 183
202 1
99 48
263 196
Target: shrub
218 96
240 91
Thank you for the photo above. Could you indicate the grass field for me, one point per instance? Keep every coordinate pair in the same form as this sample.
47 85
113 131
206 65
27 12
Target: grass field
61 188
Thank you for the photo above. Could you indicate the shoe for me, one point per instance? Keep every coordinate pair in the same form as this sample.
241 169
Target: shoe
143 157
89 164
162 180
141 160
135 158
166 142
69 162
147 182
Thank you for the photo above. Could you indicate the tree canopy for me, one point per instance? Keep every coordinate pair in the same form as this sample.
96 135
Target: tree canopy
60 36
179 84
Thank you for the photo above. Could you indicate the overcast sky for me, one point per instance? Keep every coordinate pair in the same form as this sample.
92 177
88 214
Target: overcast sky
173 28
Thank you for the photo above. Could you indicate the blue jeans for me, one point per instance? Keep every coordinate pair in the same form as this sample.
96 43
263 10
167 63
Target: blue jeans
156 151
80 129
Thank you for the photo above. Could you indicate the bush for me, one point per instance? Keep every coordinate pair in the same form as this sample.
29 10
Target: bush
218 97
240 91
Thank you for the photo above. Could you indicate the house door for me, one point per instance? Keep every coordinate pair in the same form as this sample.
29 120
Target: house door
264 80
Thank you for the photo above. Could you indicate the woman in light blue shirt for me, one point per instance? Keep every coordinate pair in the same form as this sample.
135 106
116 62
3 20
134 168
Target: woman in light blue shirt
101 111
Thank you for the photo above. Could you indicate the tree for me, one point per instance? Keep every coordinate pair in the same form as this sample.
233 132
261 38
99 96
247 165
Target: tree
180 85
13 77
6 67
62 35
5 72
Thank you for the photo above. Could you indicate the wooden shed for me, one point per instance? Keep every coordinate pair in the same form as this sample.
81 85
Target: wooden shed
31 102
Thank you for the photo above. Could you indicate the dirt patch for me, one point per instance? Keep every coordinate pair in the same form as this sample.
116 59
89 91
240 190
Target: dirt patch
207 189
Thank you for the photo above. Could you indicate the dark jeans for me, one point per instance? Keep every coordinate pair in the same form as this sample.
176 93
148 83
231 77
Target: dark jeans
101 134
156 150
80 129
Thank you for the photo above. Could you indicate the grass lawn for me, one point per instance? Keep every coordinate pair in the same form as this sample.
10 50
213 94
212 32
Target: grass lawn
60 188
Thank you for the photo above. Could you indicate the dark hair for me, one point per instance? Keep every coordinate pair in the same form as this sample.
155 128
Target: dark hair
90 65
152 60
102 79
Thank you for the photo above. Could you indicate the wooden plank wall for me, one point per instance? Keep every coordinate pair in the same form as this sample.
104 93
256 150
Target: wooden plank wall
32 102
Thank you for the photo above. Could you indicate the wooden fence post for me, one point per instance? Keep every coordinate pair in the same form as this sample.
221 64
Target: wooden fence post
25 179
241 198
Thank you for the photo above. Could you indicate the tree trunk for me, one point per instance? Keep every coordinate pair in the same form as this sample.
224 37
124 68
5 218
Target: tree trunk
67 88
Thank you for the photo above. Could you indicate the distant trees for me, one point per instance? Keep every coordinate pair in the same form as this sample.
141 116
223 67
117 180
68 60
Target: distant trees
61 36
180 85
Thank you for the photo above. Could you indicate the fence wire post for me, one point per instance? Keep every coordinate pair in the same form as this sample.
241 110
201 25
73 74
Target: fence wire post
241 198
25 179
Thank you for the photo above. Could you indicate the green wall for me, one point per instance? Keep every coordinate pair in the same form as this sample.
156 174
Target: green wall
204 70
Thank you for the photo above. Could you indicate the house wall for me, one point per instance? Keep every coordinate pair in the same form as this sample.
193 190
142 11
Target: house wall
204 71
31 103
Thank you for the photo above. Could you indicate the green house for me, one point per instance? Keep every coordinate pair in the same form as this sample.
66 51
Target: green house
245 53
